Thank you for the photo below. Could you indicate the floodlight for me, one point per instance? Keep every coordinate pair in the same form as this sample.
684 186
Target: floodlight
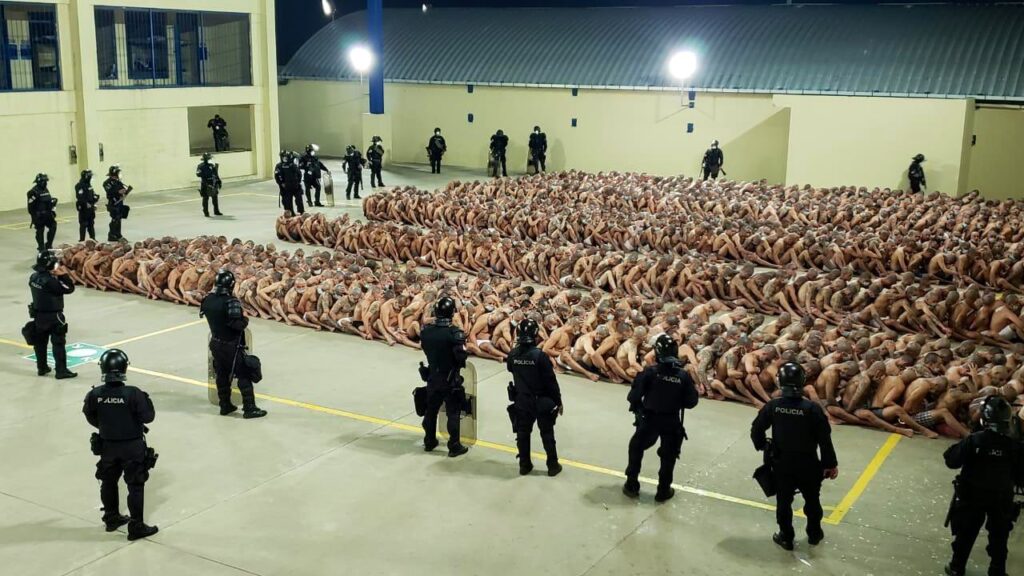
682 65
328 9
360 58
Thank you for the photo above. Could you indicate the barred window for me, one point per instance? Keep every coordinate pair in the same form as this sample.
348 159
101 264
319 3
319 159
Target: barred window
29 51
141 48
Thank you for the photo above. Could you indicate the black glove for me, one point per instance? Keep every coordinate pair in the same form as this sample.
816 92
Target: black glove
424 372
511 392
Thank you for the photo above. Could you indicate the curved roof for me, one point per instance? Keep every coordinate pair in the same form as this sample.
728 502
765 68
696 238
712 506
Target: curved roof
931 50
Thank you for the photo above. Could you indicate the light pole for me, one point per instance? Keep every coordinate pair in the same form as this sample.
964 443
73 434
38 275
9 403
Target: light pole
328 8
361 60
682 66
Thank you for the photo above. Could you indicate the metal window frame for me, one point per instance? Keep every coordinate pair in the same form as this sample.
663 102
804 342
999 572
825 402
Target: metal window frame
5 39
177 76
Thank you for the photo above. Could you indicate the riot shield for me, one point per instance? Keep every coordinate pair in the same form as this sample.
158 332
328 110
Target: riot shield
468 428
211 374
327 182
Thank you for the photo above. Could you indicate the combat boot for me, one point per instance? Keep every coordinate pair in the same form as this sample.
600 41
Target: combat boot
815 536
525 467
138 529
65 374
785 543
253 412
664 494
554 469
458 450
631 488
115 522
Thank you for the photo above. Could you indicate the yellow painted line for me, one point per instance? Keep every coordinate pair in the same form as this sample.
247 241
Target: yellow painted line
15 343
481 443
25 225
865 478
157 333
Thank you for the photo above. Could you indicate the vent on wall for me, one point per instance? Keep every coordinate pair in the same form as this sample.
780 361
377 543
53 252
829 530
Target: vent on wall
689 128
469 117
469 88
573 122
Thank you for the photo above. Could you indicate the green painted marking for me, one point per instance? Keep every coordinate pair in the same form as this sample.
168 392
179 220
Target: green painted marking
78 353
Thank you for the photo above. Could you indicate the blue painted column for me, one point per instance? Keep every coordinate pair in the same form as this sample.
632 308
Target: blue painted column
375 17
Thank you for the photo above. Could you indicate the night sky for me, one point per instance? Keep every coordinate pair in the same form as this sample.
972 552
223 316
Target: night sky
297 20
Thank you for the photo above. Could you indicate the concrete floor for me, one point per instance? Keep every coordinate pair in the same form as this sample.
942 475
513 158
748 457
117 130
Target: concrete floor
334 481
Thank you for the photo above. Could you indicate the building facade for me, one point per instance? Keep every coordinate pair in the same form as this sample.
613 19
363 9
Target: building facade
820 95
85 84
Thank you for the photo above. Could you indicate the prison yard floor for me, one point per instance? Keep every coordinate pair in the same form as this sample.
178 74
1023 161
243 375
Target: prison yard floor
335 481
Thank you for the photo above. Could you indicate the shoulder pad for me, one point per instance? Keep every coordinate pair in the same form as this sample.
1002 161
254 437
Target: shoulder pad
458 334
234 308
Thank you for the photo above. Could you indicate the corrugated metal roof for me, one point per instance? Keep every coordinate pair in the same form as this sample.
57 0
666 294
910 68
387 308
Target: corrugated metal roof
933 50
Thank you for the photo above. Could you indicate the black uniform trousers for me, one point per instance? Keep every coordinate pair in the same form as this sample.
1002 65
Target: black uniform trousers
312 184
501 160
115 222
220 142
209 192
435 164
355 181
436 396
652 427
375 168
86 224
46 226
711 171
525 417
51 328
915 186
292 200
228 365
127 458
792 474
968 518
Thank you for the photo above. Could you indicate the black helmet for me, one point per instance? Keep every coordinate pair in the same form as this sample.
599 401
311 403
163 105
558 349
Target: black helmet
791 379
284 154
224 282
42 179
665 348
45 261
995 414
207 157
376 139
86 174
714 143
114 170
445 308
536 128
501 133
919 158
437 130
114 365
526 332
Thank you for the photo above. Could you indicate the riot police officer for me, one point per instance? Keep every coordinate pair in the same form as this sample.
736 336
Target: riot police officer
658 397
41 209
209 184
991 465
436 147
49 284
799 430
916 174
121 413
445 348
116 193
289 181
220 133
227 323
713 161
353 164
312 169
538 149
375 155
85 202
536 397
499 144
